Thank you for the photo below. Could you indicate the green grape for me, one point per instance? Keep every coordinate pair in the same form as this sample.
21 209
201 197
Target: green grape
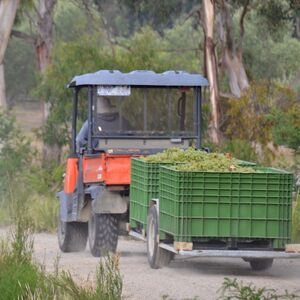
192 160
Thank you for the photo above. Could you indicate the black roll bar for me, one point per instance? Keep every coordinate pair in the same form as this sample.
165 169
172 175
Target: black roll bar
90 119
74 119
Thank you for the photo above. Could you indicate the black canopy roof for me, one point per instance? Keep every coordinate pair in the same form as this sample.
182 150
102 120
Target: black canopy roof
139 78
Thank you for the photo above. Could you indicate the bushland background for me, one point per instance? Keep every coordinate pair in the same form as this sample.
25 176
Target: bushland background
249 50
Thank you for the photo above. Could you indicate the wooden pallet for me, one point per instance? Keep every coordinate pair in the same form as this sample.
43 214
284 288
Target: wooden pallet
183 246
292 248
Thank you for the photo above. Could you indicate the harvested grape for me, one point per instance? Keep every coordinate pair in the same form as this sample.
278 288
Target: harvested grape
195 160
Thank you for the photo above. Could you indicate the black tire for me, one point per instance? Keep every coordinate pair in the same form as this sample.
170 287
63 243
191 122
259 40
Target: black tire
261 264
72 236
103 234
157 257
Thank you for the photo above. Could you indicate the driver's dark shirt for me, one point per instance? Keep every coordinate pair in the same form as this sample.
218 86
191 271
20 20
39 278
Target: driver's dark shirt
110 122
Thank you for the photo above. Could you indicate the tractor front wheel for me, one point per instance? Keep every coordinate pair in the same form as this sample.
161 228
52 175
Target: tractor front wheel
103 234
72 236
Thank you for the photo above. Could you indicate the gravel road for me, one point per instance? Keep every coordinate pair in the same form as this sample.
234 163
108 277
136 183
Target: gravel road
183 279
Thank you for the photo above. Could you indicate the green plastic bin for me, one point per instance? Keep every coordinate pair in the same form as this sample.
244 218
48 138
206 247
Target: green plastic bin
144 187
226 205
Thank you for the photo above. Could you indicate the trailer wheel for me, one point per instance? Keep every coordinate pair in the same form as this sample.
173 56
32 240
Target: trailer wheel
261 264
103 234
157 257
72 236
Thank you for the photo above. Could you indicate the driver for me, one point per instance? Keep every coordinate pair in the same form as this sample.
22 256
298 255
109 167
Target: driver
106 119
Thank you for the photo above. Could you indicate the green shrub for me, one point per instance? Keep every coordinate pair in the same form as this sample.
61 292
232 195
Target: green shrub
249 117
234 290
15 152
241 149
286 125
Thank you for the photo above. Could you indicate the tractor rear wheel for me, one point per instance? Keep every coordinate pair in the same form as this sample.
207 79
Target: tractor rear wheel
261 264
103 234
72 236
157 257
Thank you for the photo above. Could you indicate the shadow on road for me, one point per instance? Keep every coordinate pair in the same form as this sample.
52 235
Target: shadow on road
287 269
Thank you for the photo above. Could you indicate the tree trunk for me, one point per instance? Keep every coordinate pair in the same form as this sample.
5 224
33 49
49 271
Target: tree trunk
238 79
2 88
8 9
43 44
232 58
211 69
297 27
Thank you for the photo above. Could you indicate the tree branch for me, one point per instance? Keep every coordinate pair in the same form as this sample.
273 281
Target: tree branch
227 23
180 49
24 36
194 11
242 28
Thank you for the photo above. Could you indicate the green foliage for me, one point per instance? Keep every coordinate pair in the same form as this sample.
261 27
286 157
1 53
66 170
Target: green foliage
72 21
20 68
25 186
46 180
241 149
143 12
143 54
286 126
248 115
276 13
269 54
234 290
15 152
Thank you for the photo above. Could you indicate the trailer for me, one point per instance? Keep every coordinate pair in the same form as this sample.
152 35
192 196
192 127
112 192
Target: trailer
161 253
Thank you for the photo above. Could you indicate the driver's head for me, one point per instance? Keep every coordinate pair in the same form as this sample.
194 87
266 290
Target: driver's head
104 105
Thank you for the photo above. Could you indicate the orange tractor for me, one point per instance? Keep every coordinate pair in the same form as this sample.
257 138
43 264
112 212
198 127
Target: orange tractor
128 115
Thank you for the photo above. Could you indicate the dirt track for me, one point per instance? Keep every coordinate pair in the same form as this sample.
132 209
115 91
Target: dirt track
183 279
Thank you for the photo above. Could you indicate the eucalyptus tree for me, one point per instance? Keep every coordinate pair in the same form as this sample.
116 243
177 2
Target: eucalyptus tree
40 17
8 10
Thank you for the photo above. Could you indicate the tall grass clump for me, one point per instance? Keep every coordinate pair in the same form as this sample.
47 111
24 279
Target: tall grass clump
19 274
233 290
21 277
108 284
43 211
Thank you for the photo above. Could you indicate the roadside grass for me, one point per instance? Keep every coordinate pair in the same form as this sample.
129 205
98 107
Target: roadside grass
41 208
232 289
23 278
4 216
43 211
